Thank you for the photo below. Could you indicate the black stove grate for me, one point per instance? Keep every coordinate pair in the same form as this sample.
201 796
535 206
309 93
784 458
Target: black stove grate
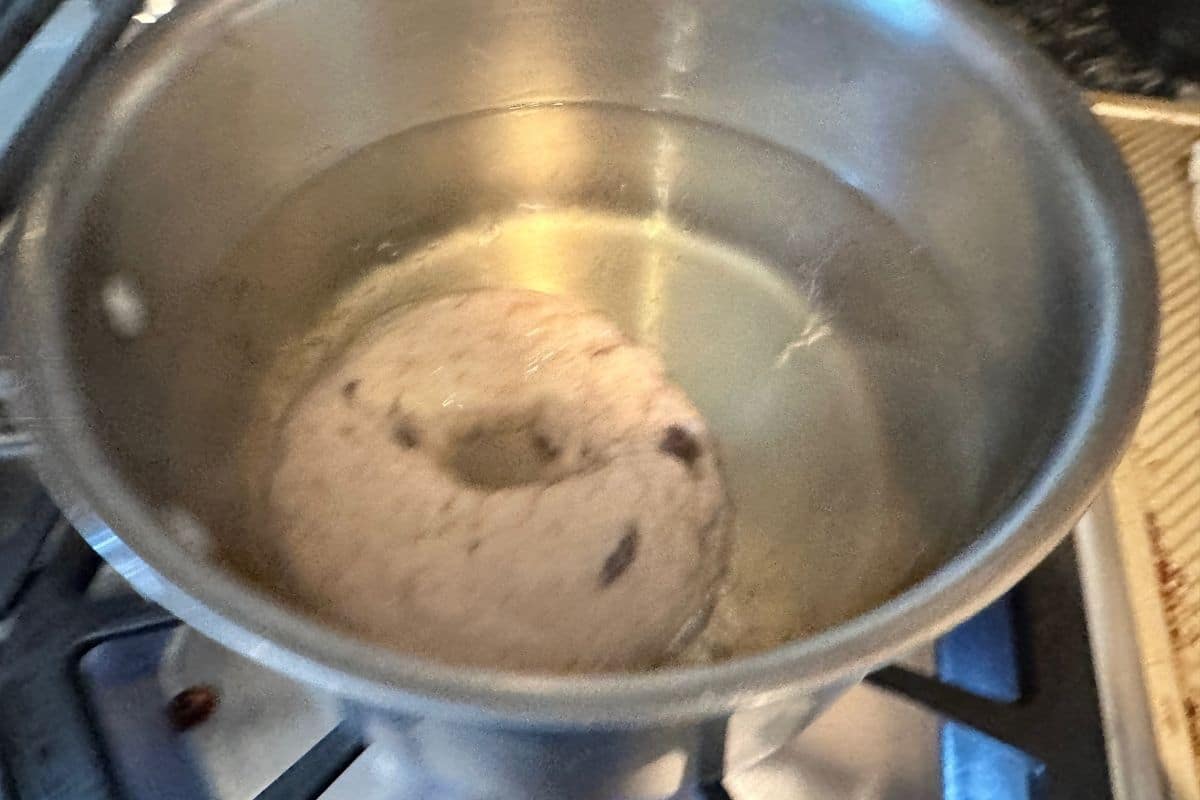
20 22
1052 718
48 746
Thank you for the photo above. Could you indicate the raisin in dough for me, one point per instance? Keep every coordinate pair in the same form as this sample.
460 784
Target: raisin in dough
501 479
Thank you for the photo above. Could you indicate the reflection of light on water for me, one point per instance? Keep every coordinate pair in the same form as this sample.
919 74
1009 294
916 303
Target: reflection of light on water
154 10
665 167
123 304
490 232
537 246
813 332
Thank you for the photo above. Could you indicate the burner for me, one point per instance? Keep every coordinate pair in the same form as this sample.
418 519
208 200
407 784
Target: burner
92 678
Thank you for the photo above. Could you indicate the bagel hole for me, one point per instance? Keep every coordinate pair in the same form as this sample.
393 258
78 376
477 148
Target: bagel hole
504 454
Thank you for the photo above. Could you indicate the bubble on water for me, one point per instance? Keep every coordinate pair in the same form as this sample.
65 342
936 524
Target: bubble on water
489 234
126 311
189 531
389 250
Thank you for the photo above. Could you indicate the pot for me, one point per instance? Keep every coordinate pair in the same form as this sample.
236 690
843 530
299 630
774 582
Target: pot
881 244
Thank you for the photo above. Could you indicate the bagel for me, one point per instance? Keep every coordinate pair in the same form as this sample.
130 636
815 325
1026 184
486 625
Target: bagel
500 478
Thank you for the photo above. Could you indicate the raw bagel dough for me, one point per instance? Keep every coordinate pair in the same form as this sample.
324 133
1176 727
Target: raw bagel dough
500 478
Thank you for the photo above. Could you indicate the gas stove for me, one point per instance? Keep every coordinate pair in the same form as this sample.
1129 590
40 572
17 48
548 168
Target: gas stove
105 696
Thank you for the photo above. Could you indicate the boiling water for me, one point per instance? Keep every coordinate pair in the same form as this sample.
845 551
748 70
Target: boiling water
770 288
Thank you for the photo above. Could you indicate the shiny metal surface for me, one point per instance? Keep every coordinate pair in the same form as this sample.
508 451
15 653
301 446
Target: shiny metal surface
1135 761
870 745
966 236
265 722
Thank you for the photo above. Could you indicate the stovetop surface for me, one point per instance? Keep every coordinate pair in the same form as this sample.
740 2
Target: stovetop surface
107 697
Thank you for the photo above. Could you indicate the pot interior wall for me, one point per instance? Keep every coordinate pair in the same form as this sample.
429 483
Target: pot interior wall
862 262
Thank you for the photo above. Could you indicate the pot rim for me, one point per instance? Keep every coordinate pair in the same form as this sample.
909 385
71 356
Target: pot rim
76 468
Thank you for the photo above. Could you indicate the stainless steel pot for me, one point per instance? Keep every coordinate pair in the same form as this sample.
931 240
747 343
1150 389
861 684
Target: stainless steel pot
969 251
